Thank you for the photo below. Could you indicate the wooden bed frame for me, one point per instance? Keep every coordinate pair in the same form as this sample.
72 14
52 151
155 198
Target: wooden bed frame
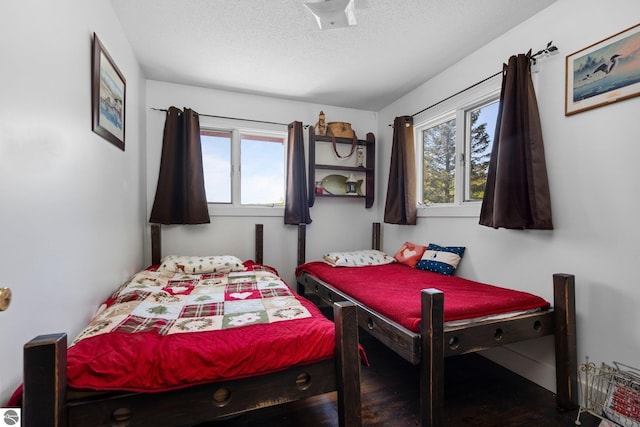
437 341
47 401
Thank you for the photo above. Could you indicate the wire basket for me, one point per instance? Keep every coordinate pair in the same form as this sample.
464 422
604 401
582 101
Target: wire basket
611 393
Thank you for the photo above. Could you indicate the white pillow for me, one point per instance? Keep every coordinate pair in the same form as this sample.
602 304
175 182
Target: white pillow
357 258
201 264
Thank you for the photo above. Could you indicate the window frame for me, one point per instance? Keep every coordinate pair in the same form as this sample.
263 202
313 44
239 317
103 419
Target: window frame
235 208
458 108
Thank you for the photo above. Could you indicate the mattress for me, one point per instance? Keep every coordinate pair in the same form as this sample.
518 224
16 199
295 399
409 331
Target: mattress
393 290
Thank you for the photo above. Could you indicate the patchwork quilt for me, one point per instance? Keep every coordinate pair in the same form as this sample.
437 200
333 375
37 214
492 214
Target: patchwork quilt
163 330
170 303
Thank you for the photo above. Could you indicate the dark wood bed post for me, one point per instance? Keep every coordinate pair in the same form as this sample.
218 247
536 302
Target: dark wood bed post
259 243
375 237
45 381
432 358
156 244
565 340
345 317
302 243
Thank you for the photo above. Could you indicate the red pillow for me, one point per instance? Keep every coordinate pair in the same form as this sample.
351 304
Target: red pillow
409 254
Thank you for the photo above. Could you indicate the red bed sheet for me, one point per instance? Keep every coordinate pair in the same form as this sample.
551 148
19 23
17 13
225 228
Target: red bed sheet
393 290
148 361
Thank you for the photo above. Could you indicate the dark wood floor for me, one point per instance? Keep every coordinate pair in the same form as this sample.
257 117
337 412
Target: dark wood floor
478 393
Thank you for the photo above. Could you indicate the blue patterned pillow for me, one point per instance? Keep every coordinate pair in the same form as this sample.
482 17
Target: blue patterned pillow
441 259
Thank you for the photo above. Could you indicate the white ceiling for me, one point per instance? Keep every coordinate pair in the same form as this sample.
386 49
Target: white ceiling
274 47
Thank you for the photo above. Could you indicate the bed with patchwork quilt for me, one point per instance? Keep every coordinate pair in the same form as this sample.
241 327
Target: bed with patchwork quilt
189 340
423 312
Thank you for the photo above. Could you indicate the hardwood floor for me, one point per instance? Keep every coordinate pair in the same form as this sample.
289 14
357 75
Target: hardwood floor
478 393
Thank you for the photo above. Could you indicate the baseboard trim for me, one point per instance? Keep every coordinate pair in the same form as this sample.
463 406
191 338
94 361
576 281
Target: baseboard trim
532 369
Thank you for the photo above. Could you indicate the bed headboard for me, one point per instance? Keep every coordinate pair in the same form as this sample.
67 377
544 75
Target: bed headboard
156 244
376 240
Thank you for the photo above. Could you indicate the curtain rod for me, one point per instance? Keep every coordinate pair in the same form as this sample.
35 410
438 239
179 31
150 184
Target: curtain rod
550 50
230 118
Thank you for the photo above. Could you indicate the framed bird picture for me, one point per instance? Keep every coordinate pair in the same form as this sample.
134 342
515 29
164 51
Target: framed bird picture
603 73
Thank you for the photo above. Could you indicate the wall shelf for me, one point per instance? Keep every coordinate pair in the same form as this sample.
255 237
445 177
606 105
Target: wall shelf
319 172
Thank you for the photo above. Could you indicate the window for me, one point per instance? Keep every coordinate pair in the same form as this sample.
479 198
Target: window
262 170
439 163
481 127
453 149
216 165
244 168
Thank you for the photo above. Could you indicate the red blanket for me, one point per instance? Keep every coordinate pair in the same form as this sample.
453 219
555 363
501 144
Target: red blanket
393 290
146 356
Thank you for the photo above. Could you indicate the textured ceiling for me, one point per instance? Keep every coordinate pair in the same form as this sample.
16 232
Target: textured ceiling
274 47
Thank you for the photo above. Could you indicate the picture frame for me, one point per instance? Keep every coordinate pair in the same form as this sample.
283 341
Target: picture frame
604 73
108 96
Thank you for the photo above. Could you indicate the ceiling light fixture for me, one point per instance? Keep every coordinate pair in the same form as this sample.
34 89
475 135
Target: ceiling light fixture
332 14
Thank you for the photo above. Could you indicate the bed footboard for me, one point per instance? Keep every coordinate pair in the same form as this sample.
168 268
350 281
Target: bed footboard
48 403
436 343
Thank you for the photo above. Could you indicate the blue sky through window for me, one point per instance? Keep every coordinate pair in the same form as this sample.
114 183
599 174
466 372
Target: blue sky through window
489 115
262 171
216 162
261 177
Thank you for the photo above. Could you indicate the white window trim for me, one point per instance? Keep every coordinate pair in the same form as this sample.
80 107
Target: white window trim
235 209
455 107
221 210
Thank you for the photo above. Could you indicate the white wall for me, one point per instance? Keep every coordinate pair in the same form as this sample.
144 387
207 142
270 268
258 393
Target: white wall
592 162
73 205
337 224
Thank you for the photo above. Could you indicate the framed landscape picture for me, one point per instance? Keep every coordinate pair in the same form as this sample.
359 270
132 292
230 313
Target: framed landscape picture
108 90
603 73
